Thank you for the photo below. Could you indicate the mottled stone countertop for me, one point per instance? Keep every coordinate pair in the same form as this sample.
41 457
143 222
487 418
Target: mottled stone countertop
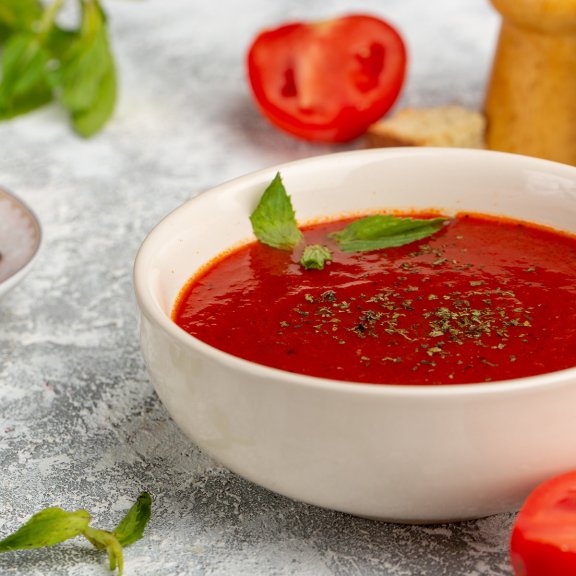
80 424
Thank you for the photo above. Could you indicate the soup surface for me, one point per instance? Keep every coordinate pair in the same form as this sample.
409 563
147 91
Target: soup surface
484 299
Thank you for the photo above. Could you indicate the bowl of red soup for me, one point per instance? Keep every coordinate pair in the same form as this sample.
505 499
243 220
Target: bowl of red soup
386 333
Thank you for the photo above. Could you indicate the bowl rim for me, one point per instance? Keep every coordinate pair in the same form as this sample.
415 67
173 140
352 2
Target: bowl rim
150 308
18 275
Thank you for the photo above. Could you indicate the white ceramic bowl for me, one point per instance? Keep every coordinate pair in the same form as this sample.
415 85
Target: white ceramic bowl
398 453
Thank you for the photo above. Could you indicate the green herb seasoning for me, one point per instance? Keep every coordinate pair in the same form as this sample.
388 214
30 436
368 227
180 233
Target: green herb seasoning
477 300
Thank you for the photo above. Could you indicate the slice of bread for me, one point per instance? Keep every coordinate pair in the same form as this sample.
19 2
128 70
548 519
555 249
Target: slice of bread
451 126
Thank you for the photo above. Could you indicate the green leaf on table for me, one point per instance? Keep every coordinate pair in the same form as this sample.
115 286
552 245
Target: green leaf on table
18 15
103 540
131 527
24 84
129 530
86 77
380 231
54 525
315 257
46 528
92 119
40 59
60 42
273 220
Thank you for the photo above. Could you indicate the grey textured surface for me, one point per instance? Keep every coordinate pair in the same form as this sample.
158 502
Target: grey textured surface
80 425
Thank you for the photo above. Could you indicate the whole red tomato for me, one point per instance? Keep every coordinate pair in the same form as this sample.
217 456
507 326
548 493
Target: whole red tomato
327 81
544 535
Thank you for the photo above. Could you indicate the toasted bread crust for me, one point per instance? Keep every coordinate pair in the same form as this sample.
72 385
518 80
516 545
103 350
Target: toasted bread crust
452 126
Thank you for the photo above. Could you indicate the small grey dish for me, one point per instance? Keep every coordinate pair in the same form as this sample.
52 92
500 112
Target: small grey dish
20 240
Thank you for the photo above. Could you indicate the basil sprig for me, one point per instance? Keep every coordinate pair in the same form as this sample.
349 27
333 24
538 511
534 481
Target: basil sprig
380 231
315 257
273 220
54 525
274 223
43 62
18 14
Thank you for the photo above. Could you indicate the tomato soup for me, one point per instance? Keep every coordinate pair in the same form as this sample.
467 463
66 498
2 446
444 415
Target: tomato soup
484 299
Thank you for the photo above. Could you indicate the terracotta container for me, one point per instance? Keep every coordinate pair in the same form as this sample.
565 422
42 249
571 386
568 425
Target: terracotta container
531 96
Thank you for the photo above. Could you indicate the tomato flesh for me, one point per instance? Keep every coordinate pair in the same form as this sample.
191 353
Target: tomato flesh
327 81
543 539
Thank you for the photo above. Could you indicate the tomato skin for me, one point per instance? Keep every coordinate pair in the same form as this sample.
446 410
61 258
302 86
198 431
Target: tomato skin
543 541
327 81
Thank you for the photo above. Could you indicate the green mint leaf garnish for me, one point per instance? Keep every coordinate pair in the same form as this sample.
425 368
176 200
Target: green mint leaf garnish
273 220
91 120
103 540
274 224
60 42
42 62
131 528
24 85
315 257
381 231
86 77
18 15
54 525
46 528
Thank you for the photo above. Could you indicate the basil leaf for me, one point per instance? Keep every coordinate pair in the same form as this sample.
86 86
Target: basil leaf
18 15
384 231
60 42
101 539
46 528
86 77
82 72
54 525
24 85
86 61
273 220
315 257
131 528
91 120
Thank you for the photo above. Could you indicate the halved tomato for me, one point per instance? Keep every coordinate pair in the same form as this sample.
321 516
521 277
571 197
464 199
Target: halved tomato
327 81
543 539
